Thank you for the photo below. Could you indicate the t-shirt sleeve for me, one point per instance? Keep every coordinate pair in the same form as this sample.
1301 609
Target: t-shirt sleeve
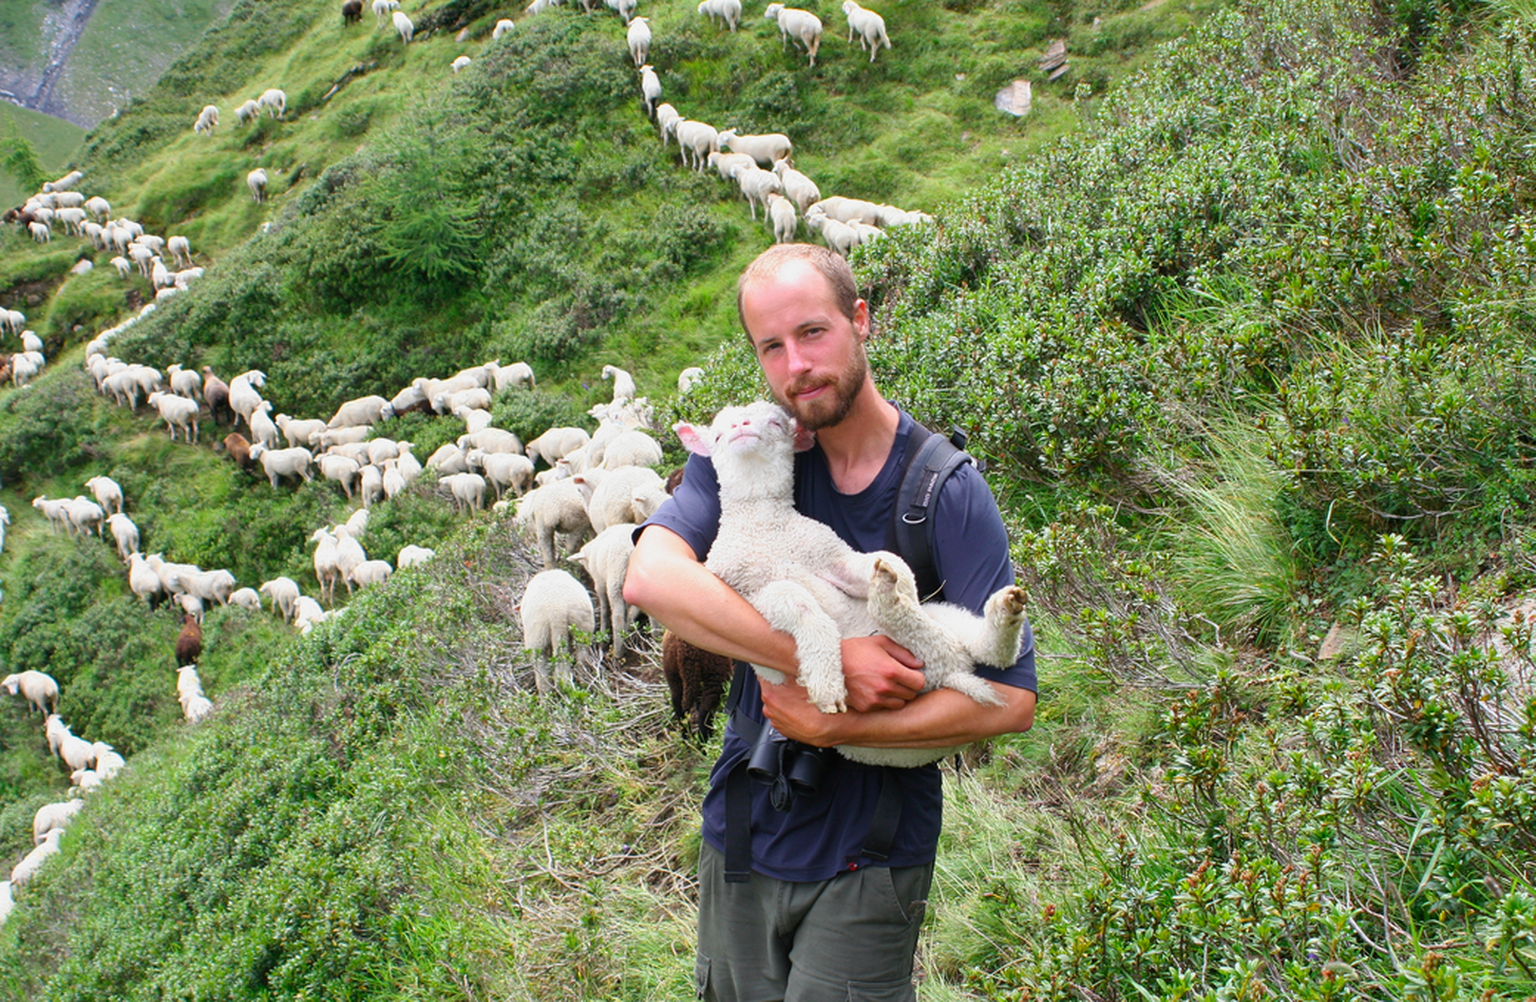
693 510
970 550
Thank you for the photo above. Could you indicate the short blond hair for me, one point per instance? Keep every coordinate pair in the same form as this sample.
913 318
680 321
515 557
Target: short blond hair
832 266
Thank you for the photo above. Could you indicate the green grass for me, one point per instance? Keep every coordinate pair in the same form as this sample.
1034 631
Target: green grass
54 139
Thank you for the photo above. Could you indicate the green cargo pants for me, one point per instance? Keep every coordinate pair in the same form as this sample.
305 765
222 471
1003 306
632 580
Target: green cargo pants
848 939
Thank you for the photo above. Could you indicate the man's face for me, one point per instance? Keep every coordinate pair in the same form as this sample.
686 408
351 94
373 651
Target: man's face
812 355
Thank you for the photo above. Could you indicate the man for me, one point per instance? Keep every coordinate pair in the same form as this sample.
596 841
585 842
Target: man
835 896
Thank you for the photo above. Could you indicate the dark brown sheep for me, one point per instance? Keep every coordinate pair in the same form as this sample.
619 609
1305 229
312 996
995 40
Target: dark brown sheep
216 392
189 645
698 680
239 449
5 368
351 11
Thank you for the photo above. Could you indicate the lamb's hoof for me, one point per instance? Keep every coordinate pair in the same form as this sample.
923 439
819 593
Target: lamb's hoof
1009 602
892 579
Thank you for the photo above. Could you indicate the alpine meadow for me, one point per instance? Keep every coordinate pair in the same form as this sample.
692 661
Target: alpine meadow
1238 317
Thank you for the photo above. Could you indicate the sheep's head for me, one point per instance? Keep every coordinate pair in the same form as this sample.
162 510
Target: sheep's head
751 446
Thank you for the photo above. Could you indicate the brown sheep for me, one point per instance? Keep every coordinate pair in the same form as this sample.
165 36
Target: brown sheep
697 678
216 392
5 368
351 11
189 645
239 449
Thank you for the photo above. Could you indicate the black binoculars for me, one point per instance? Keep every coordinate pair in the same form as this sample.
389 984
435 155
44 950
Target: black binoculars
789 767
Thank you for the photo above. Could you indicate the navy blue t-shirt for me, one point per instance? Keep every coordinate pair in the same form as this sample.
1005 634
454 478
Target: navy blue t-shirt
822 835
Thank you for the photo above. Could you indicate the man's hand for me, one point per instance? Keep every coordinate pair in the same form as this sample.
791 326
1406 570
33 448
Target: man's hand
880 673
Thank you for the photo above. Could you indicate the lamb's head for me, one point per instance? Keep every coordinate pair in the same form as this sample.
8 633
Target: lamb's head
752 448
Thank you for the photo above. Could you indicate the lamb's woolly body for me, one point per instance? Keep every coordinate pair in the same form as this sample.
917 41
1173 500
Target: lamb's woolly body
808 582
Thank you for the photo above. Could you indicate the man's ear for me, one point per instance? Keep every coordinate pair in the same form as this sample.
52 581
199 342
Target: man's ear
861 318
694 440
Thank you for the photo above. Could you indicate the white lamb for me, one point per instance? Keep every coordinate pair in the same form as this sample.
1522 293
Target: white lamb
85 515
246 598
98 207
299 431
283 462
284 592
553 604
404 26
606 560
180 248
342 469
765 148
502 27
40 231
639 38
125 534
728 11
176 412
869 26
247 112
781 215
54 816
757 184
631 448
207 120
460 63
256 180
38 688
412 555
797 187
840 237
503 470
650 88
809 583
666 120
360 411
273 101
697 141
516 374
556 443
802 25
263 428
626 496
623 383
108 492
371 572
33 861
556 508
468 490
184 381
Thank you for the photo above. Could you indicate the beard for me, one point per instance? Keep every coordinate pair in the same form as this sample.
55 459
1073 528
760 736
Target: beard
831 407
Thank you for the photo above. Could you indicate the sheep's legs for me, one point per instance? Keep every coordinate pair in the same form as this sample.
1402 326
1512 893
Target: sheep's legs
791 607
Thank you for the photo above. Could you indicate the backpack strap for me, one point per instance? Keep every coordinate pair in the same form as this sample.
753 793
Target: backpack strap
931 458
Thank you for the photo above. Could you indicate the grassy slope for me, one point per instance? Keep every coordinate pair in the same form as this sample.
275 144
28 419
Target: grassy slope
54 139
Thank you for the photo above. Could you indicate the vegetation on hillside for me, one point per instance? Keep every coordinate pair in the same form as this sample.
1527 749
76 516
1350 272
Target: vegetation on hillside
1249 359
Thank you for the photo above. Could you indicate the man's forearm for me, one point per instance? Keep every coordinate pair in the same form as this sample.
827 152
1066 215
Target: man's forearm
936 719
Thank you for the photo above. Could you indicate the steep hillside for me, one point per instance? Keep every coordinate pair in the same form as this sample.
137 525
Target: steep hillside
1248 355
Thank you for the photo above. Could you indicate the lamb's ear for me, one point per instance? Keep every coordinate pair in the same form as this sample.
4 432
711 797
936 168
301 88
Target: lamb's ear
693 439
804 437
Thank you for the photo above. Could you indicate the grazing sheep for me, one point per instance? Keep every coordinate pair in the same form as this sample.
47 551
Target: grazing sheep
342 469
849 210
728 11
247 112
781 214
40 232
411 555
189 644
273 101
239 449
639 38
216 393
448 458
196 708
39 689
666 120
502 27
554 508
381 10
180 249
256 180
371 572
55 510
623 383
516 374
606 561
284 592
797 187
53 816
840 237
697 141
245 395
207 120
468 490
307 613
299 431
125 534
98 207
556 443
184 381
631 448
370 485
246 598
869 26
263 428
33 861
697 679
765 147
108 762
283 462
786 564
367 410
327 570
108 492
211 586
491 440
177 412
351 11
553 604
460 63
123 265
757 184
626 496
143 581
729 165
85 515
650 88
349 555
191 605
804 26
503 470
404 26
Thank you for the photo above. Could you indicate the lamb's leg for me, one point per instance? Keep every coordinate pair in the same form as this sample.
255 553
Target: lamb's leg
792 608
895 609
998 643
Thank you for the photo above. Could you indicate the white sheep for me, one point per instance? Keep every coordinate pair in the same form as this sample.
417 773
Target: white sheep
85 779
327 571
263 428
246 598
256 180
98 207
696 140
473 397
356 524
24 366
184 381
797 187
393 481
838 236
869 26
553 604
85 515
666 120
503 470
808 582
143 581
404 26
757 184
180 248
626 496
40 231
108 492
474 418
349 555
207 120
338 438
370 485
125 534
283 592
38 688
460 63
555 508
53 816
299 431
307 613
123 265
408 465
764 147
108 762
606 560
33 861
449 458
728 11
626 8
502 27
382 9
210 586
556 443
781 214
631 448
55 510
76 752
177 412
623 383
507 376
849 210
69 180
650 87
283 462
342 469
273 101
196 708
192 605
491 440
412 555
371 572
244 395
55 730
729 165
802 25
468 490
639 38
361 411
247 112
688 378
